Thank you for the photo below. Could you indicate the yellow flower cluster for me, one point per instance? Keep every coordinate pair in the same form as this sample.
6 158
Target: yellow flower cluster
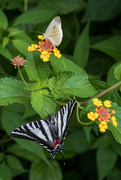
97 102
103 126
102 114
40 37
113 118
45 48
45 56
56 52
92 116
33 47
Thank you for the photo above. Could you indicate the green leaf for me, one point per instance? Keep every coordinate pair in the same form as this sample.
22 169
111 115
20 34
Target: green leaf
21 46
5 42
39 171
116 148
14 163
101 10
111 46
36 69
81 51
61 7
76 142
5 53
12 5
106 160
11 120
19 151
117 72
14 31
19 34
71 83
43 103
103 141
5 172
111 80
63 64
12 91
114 174
87 132
1 156
3 20
35 16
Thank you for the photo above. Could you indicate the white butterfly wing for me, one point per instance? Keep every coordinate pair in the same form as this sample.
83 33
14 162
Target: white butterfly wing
39 131
54 32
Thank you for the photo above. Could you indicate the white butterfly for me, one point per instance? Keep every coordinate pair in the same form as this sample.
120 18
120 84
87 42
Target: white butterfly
54 33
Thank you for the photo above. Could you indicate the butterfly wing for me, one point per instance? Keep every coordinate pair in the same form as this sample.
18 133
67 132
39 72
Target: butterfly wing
55 22
39 131
61 120
54 32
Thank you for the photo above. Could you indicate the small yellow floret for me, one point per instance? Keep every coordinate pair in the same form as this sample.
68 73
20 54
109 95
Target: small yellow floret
97 102
103 126
45 59
57 53
107 103
32 47
40 37
113 112
102 129
92 116
113 118
115 123
55 49
45 56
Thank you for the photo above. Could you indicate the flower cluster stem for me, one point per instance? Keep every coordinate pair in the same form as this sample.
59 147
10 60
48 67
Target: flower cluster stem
108 90
22 76
104 92
77 113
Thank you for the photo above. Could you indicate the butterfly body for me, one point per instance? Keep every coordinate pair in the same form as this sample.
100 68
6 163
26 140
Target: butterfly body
48 133
54 32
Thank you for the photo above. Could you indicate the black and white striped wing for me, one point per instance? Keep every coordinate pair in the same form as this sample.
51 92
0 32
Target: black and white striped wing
63 116
39 131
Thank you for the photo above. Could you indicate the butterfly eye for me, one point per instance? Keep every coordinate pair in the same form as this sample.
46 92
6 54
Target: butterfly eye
59 148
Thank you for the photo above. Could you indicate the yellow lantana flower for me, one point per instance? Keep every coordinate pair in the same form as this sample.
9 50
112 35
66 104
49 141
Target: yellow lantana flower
107 103
102 114
97 102
103 126
92 116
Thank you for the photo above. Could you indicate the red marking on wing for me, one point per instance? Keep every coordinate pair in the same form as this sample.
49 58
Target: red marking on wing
54 143
58 141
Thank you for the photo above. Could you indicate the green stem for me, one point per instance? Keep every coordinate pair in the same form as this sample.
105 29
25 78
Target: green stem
22 76
104 92
25 5
108 90
77 113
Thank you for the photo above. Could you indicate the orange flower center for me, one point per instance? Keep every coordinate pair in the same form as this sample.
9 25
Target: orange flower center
47 46
104 113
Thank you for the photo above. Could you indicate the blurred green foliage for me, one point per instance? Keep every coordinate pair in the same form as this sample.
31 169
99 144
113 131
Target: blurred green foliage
91 50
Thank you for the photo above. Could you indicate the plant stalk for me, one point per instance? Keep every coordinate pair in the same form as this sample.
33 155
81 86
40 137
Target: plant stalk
22 76
103 93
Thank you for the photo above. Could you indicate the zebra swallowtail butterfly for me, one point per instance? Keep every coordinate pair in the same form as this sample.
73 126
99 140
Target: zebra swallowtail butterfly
48 133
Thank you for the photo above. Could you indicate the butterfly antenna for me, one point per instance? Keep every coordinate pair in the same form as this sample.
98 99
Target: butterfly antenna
63 157
37 32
